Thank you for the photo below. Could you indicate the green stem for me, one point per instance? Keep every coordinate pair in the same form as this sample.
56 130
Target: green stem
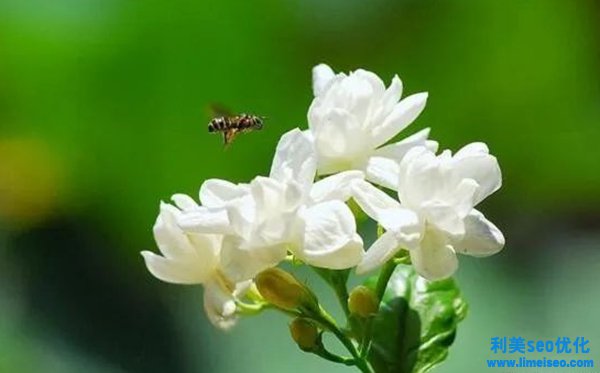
384 277
342 295
382 281
250 308
333 357
341 292
329 324
365 344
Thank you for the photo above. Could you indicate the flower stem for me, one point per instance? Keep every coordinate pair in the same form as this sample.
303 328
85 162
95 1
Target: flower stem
384 277
382 281
334 358
338 286
329 324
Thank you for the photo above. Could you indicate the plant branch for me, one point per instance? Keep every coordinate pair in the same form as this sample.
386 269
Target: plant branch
340 289
327 322
322 352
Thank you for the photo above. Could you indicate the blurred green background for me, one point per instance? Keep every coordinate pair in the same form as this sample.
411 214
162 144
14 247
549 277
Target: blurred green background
103 113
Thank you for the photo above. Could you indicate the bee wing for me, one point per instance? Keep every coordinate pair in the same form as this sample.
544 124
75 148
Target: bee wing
229 136
217 110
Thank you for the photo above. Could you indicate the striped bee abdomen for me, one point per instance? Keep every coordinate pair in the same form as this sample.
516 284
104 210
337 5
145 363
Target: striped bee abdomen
219 124
238 122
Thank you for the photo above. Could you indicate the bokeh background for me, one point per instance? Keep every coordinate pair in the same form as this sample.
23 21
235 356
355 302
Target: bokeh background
103 114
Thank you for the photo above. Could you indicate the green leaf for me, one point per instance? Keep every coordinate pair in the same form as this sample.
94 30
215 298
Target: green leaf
416 322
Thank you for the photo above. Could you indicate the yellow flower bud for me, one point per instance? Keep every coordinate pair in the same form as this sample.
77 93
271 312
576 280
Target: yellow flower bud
283 290
305 334
363 301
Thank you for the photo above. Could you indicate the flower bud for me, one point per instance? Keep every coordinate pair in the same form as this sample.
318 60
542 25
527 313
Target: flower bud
305 334
363 301
283 290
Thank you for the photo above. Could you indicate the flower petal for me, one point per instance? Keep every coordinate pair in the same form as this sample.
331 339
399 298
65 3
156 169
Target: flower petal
336 187
482 238
170 240
338 134
372 200
383 171
241 264
421 178
392 95
463 197
403 114
382 250
398 150
174 271
218 193
219 306
205 220
184 202
405 224
444 217
473 161
321 76
330 239
435 259
295 159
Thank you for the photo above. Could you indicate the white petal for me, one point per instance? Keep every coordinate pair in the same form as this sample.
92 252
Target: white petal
366 91
242 216
295 159
399 149
380 252
278 229
170 239
338 134
174 271
377 85
383 171
403 114
444 217
243 264
205 220
372 200
273 198
219 306
435 259
217 193
330 239
482 238
392 94
184 202
405 224
190 250
421 178
474 162
337 186
463 197
321 75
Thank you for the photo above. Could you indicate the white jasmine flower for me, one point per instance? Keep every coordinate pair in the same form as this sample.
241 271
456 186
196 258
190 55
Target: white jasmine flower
435 218
190 258
353 116
286 211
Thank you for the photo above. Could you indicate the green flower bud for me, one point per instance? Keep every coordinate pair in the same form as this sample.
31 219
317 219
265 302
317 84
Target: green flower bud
305 334
363 302
283 290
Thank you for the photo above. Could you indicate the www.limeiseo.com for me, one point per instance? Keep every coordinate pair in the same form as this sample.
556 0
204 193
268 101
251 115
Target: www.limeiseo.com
523 362
560 346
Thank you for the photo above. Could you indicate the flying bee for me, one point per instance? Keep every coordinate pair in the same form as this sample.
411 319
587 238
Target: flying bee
232 125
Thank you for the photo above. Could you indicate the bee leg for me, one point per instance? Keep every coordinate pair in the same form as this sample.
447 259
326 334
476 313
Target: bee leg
229 136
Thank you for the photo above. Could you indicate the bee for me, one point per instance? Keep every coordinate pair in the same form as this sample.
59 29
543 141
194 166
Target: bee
232 125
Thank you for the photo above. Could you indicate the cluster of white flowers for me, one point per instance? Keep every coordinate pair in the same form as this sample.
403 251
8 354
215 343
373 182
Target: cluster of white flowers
238 230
